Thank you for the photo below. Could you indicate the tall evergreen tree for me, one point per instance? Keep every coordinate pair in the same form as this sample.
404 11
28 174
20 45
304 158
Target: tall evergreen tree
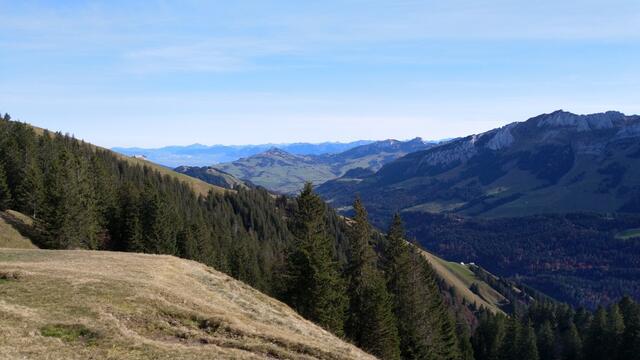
595 347
5 193
488 336
371 323
159 232
527 348
30 190
614 331
546 341
509 345
72 220
571 344
630 342
315 288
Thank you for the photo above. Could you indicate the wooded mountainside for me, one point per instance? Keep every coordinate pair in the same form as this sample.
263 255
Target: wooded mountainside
84 197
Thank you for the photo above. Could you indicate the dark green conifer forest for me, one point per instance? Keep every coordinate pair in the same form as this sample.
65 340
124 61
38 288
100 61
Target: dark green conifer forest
555 331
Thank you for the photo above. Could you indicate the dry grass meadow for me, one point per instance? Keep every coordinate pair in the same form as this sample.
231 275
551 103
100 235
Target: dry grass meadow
108 305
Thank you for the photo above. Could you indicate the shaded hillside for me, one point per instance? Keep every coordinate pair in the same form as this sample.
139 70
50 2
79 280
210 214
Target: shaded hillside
134 306
552 163
284 172
203 155
212 176
15 230
581 259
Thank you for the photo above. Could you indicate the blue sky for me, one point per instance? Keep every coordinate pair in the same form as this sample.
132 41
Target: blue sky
153 73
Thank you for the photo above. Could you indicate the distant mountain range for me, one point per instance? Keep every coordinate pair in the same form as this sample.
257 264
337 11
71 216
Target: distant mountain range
284 172
203 155
553 163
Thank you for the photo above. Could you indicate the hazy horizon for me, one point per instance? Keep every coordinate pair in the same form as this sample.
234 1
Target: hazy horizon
176 73
326 141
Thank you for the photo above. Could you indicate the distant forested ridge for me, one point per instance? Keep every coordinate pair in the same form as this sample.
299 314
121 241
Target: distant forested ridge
582 259
374 290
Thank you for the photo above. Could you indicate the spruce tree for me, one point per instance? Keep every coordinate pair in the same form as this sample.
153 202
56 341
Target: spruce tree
5 193
30 190
571 344
509 345
315 288
158 223
614 331
397 255
526 344
488 336
546 341
630 342
371 323
595 347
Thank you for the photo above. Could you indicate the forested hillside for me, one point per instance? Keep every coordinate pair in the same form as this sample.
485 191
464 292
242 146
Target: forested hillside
582 259
376 292
84 197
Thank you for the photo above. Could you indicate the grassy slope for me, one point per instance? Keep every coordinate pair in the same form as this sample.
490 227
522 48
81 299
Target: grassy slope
10 236
198 186
461 278
284 175
93 304
628 234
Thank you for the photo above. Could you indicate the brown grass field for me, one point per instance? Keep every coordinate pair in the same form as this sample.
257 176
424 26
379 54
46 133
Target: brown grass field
10 237
461 278
108 305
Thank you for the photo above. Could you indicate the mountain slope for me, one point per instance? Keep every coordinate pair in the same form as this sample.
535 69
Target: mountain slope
89 304
13 228
202 155
278 170
211 176
582 259
199 186
283 172
534 200
552 163
459 277
89 198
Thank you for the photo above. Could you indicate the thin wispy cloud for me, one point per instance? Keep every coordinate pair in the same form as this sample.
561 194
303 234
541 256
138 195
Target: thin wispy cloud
469 62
